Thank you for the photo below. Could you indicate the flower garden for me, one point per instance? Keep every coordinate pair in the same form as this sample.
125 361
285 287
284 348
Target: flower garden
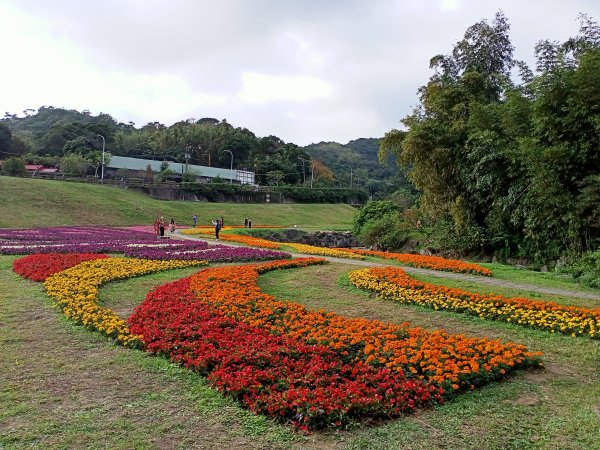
422 261
394 284
312 368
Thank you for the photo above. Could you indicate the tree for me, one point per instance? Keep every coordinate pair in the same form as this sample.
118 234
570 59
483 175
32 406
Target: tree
74 164
14 167
5 139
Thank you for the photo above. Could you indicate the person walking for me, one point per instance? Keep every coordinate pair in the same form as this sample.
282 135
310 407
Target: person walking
172 225
217 224
195 219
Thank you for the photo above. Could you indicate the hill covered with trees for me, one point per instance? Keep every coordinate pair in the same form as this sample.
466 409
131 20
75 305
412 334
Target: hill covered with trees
50 134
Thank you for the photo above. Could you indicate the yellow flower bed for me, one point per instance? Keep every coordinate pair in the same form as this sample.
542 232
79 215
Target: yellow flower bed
258 242
75 290
205 230
395 284
313 250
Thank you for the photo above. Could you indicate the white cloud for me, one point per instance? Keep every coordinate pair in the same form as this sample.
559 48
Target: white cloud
260 88
305 71
449 5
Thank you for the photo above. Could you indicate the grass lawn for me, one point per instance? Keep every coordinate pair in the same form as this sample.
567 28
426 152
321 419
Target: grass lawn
66 387
33 202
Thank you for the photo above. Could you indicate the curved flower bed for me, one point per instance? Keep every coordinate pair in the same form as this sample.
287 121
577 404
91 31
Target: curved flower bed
247 240
217 253
75 291
86 240
395 284
324 251
451 361
38 267
427 262
307 385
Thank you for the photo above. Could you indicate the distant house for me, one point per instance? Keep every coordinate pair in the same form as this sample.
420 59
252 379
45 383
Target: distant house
34 169
136 167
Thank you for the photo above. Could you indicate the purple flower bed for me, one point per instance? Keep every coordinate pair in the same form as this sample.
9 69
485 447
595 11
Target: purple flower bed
134 243
217 253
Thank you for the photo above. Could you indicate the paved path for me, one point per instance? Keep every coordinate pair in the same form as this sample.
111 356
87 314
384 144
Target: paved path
436 273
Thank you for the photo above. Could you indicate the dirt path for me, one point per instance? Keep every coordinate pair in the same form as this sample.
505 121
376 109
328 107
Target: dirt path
436 273
475 279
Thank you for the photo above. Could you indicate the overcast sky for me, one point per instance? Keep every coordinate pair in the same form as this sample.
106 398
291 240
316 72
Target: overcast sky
303 70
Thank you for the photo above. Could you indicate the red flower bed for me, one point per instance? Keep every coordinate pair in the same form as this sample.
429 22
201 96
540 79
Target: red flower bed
307 385
38 267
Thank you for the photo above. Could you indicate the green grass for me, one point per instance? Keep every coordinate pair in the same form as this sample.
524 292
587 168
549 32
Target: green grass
554 408
552 280
112 397
66 387
546 279
483 288
30 202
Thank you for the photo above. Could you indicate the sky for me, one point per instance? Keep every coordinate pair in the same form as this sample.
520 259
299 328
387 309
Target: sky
303 70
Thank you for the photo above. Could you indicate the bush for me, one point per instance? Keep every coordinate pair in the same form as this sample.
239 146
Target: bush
374 210
14 167
586 269
445 238
385 233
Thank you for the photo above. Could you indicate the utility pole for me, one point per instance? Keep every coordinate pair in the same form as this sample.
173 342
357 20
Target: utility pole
103 146
231 168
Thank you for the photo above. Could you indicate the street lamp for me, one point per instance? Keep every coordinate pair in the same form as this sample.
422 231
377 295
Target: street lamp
303 173
188 155
350 176
231 169
103 146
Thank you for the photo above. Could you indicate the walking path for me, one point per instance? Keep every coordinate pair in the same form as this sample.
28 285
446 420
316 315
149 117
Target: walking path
436 273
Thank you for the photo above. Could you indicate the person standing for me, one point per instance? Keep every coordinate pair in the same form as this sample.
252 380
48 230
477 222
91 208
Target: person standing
222 222
217 224
161 227
172 225
157 227
246 222
195 219
249 222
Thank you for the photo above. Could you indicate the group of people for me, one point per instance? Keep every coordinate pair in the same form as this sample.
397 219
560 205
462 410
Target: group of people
160 225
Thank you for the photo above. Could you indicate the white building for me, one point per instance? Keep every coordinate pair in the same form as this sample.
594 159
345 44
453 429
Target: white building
204 173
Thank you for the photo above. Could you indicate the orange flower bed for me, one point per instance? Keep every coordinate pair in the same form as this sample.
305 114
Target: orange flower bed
452 361
395 284
428 262
246 240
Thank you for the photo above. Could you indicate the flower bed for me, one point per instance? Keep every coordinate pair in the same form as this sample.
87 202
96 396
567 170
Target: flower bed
75 291
451 361
324 251
427 262
395 284
38 267
217 253
247 240
307 385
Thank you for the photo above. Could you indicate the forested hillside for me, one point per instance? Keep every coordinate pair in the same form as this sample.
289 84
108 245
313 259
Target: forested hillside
49 135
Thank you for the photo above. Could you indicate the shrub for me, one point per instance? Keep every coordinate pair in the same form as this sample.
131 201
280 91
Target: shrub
14 167
586 269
